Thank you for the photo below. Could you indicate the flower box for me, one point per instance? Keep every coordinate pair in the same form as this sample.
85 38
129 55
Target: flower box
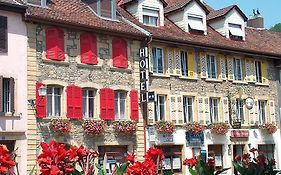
60 126
269 127
125 127
93 127
219 128
164 127
195 127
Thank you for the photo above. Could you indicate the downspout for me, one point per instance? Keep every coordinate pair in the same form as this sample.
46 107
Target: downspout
145 43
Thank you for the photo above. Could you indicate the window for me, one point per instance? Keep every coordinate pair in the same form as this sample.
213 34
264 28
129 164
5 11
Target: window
37 2
158 60
150 16
195 24
103 8
10 144
188 109
235 31
240 110
258 71
267 150
184 63
262 111
115 156
3 34
215 152
53 101
172 158
212 66
214 110
120 104
7 94
237 69
89 103
160 107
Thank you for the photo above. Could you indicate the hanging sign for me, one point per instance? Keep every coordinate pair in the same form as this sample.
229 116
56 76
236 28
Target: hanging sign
143 65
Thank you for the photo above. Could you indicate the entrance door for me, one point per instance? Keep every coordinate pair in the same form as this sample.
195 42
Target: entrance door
237 150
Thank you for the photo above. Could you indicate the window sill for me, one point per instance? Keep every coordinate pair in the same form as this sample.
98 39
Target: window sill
239 82
10 115
160 75
188 78
63 63
121 69
261 84
13 132
89 66
214 80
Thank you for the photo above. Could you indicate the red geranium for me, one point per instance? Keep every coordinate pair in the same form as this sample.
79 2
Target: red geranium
190 162
6 162
130 157
211 162
252 150
147 167
154 154
238 158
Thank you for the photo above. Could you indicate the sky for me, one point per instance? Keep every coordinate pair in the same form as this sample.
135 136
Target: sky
268 9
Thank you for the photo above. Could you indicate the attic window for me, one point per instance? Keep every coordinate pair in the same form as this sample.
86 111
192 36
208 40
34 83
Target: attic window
103 8
42 3
150 16
195 24
235 31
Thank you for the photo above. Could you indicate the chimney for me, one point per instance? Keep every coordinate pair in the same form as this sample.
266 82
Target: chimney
256 21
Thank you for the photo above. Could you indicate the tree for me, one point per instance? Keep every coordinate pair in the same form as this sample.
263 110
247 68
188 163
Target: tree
276 28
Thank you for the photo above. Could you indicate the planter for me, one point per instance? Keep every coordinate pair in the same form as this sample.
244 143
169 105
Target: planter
269 128
94 127
164 127
60 126
125 127
195 127
219 128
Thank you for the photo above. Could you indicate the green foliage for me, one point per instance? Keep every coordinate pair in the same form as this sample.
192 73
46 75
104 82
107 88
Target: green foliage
276 28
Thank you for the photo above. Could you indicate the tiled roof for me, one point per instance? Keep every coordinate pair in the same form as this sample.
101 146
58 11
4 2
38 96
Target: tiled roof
12 3
78 14
123 2
178 4
221 12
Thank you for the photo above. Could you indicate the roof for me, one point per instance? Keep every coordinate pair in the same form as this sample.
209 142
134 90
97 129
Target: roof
222 12
124 2
78 14
174 5
12 5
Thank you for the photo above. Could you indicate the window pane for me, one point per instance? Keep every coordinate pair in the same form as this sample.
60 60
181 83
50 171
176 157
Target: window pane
116 108
84 104
184 66
106 6
155 61
91 107
160 60
57 105
162 107
122 108
49 105
6 95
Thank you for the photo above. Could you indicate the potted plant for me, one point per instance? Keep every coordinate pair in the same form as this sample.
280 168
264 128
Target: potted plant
269 127
164 127
195 127
93 127
125 127
219 128
61 126
256 165
6 163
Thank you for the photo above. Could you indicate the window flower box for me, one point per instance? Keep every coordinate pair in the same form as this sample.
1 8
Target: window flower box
195 127
94 127
60 126
269 127
164 127
125 127
219 128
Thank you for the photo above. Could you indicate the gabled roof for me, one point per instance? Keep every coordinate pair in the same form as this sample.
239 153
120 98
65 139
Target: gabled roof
75 13
12 5
174 5
124 2
222 12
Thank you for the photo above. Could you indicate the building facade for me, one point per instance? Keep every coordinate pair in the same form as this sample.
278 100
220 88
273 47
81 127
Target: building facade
13 81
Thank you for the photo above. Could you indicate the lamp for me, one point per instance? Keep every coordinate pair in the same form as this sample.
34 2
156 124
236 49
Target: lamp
42 91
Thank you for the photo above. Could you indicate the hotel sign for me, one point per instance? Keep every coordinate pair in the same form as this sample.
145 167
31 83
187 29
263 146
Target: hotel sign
239 133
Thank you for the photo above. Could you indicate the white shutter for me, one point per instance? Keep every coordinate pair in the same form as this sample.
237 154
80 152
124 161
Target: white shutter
253 71
170 57
150 107
230 68
272 115
201 110
207 111
203 65
225 109
256 112
222 67
177 62
252 115
180 109
150 59
173 111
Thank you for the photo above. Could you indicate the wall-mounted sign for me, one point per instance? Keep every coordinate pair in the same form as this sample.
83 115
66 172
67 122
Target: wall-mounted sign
151 96
165 138
195 140
143 65
240 133
236 125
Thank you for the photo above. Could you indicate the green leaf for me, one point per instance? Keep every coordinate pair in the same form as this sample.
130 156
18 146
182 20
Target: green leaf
76 172
242 170
221 171
168 173
32 171
192 171
122 169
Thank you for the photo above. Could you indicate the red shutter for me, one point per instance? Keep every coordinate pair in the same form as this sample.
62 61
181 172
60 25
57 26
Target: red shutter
119 53
70 102
134 105
110 105
124 59
103 106
88 44
51 43
60 45
78 102
74 102
40 102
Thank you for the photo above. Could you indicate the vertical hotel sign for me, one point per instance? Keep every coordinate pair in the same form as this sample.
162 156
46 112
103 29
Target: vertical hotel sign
143 74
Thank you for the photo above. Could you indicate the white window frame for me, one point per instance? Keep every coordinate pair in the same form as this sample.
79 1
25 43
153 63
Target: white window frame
118 100
262 104
158 107
150 13
184 63
240 110
258 71
54 105
186 109
235 29
156 60
195 22
6 95
236 69
86 109
209 66
214 109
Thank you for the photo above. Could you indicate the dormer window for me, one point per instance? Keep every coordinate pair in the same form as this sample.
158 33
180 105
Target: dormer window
195 24
235 31
42 3
103 8
150 16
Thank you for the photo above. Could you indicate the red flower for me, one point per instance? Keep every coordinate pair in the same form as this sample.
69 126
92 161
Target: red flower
5 161
253 150
154 154
147 167
272 162
238 158
260 160
130 157
190 162
211 162
246 156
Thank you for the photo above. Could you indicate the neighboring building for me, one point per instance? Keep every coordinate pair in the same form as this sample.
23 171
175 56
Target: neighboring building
204 64
13 80
86 55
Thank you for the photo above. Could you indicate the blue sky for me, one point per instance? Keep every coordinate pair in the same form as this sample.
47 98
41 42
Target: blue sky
270 9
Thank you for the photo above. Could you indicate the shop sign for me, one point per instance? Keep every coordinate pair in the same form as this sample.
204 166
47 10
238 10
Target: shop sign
143 65
151 134
240 133
236 125
195 140
165 138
